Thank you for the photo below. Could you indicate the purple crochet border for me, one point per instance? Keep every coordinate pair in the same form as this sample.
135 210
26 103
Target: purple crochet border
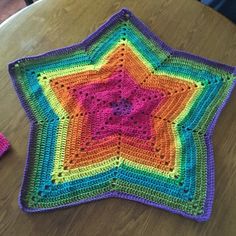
84 45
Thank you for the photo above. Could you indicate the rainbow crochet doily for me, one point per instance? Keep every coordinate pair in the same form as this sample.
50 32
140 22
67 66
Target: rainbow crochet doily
121 114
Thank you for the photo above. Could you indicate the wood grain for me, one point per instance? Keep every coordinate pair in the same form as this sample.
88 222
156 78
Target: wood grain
50 24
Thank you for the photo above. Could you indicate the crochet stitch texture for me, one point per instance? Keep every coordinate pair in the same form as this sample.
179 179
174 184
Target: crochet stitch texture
121 114
4 144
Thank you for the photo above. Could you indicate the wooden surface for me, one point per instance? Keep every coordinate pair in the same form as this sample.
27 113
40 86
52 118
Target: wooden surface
49 24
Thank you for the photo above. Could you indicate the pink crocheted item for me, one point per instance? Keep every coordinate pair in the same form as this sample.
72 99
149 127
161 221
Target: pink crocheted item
4 144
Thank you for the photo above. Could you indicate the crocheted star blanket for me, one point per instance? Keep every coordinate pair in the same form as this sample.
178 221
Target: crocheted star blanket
124 115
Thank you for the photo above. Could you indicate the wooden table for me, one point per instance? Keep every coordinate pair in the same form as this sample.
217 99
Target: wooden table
50 24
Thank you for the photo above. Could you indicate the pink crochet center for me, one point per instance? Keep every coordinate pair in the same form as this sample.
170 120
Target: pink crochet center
120 105
4 144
